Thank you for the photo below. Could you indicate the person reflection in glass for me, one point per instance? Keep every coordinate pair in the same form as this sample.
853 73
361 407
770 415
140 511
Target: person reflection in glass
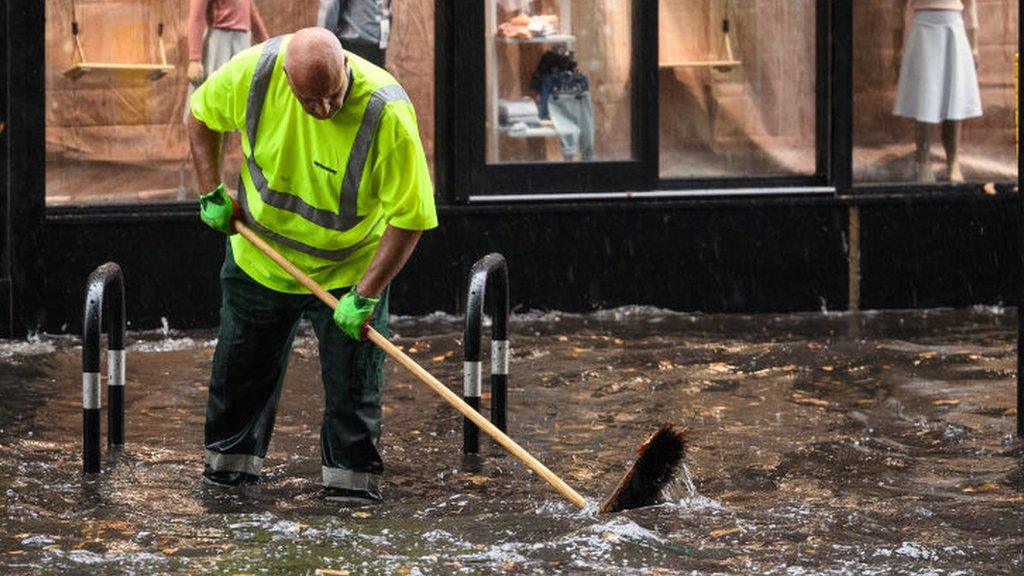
938 81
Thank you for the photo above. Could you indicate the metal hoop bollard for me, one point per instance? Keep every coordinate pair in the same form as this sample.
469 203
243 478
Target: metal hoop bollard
483 271
107 280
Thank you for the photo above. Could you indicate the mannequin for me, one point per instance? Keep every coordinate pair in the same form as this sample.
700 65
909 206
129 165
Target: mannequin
363 26
217 30
938 81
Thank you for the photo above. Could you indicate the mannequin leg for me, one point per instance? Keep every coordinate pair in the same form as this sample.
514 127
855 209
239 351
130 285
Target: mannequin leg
951 130
923 136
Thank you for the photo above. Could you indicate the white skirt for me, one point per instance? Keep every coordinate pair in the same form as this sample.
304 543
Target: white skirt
938 80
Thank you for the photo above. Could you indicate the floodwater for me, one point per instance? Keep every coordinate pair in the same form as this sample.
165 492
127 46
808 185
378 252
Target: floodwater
819 444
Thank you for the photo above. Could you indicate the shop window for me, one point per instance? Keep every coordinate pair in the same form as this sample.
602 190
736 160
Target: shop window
737 88
110 135
115 130
549 97
557 79
934 91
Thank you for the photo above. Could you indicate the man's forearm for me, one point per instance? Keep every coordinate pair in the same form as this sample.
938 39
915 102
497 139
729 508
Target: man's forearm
205 145
396 245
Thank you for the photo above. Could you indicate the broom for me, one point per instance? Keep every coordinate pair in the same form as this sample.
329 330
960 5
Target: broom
656 466
642 484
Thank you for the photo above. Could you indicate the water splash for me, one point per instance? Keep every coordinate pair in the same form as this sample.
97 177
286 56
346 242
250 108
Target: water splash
437 317
681 486
990 310
172 344
34 345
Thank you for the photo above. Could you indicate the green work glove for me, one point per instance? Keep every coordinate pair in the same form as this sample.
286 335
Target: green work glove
353 312
217 208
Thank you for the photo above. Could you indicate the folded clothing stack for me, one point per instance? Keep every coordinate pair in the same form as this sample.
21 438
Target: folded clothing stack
524 111
523 27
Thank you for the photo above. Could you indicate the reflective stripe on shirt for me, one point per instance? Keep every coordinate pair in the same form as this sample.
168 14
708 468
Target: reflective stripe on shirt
346 218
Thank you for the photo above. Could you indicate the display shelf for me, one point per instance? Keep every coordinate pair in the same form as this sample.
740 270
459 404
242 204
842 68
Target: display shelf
551 39
726 62
532 132
498 43
701 64
153 71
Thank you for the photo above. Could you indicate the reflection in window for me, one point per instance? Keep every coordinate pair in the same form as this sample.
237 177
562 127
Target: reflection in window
737 87
933 85
558 74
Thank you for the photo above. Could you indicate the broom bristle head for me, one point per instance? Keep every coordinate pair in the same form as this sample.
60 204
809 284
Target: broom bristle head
656 466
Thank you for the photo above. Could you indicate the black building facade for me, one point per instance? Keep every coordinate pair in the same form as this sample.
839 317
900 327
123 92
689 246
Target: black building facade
577 235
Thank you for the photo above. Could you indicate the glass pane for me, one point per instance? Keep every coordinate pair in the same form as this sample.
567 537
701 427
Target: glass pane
934 91
558 80
111 106
737 87
116 132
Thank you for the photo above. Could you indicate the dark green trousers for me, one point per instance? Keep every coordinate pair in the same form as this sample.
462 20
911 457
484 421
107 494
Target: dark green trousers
257 326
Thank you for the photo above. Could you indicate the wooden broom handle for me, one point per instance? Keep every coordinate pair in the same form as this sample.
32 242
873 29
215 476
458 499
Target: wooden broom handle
283 262
403 359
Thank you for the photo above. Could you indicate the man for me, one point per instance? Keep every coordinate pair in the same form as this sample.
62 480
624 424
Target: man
363 26
335 177
217 30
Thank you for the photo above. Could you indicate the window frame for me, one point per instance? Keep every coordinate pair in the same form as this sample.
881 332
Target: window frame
844 43
825 92
461 54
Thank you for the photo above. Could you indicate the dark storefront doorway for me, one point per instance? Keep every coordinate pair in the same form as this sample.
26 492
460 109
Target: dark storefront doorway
5 265
677 183
23 174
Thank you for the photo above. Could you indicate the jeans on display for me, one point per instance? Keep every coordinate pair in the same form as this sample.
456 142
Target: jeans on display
573 116
560 83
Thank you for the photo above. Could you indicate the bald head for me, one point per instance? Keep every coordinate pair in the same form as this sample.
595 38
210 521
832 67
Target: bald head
315 66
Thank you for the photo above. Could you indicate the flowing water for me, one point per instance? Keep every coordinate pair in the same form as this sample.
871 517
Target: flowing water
819 444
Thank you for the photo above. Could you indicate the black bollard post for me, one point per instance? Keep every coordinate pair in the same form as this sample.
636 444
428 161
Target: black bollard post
115 383
489 269
105 284
499 354
90 422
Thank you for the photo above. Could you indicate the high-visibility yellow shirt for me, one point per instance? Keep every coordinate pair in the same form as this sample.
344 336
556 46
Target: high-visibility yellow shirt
300 166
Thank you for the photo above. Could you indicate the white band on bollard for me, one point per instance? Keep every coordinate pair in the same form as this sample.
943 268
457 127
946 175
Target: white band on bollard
471 379
115 367
91 391
499 356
